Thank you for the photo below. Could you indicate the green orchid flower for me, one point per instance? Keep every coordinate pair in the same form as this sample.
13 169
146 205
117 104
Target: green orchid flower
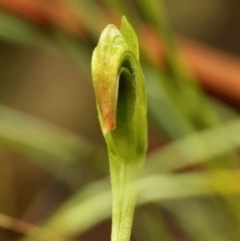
121 102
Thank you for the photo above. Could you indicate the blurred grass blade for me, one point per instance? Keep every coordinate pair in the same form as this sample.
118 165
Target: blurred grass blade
86 208
203 219
154 12
80 212
87 12
196 149
149 224
34 137
18 31
180 86
161 106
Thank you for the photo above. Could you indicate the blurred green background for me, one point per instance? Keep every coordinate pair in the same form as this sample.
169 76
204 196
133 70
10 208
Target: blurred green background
53 162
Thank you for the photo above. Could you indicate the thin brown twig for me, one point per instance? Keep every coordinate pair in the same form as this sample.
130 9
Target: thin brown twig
27 229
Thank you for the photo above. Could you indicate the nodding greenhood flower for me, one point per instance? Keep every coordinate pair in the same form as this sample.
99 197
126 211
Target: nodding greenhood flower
121 102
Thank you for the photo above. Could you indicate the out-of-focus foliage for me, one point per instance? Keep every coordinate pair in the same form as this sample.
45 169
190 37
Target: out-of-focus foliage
190 188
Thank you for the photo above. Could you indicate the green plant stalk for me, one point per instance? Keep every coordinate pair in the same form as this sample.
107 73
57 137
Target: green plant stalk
121 102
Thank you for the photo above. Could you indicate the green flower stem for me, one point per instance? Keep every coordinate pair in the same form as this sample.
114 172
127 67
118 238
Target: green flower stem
120 93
